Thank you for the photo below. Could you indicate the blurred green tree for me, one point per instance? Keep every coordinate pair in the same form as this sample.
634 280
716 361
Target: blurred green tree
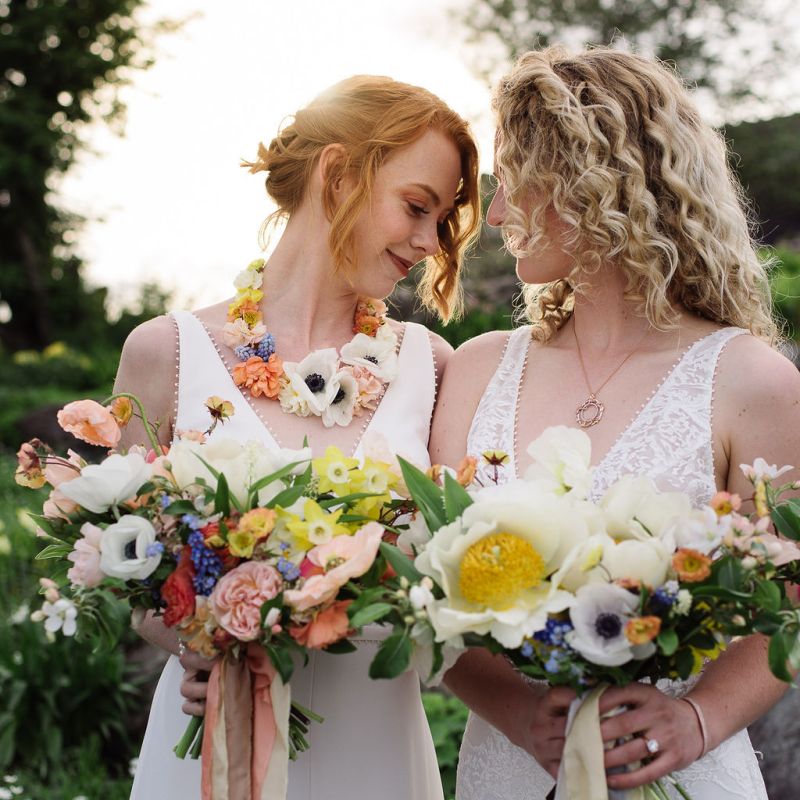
62 64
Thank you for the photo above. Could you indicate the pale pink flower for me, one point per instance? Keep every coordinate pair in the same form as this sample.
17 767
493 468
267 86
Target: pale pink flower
239 595
191 435
58 505
238 332
369 389
349 557
761 471
60 470
86 557
90 421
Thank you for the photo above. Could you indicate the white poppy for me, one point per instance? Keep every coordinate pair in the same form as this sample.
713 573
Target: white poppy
129 550
314 379
340 410
375 354
561 460
112 481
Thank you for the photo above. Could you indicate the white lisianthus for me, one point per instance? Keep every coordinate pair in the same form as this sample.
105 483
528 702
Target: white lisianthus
561 460
248 279
373 353
494 563
761 471
599 616
314 379
129 549
112 481
635 509
702 530
645 560
340 410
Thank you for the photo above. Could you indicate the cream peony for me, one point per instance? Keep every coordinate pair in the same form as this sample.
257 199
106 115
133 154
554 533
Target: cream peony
108 483
642 560
561 460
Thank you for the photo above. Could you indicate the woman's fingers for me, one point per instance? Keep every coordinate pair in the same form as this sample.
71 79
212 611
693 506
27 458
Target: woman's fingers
194 687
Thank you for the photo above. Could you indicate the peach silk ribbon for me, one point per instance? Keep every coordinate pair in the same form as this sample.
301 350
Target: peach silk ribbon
246 739
582 773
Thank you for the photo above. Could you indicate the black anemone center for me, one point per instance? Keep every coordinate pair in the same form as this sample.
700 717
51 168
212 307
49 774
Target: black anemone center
315 382
130 549
371 359
608 626
339 396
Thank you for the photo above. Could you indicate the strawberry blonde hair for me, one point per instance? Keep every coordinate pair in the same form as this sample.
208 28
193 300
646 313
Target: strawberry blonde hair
371 117
614 144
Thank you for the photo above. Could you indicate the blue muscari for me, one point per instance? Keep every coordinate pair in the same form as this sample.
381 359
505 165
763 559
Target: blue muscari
664 597
266 347
244 351
192 520
553 633
289 571
207 564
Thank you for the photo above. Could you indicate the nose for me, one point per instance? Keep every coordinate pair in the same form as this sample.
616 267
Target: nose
426 237
497 208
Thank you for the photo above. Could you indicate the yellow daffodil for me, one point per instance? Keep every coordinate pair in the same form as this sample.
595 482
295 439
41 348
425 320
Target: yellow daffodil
336 473
318 527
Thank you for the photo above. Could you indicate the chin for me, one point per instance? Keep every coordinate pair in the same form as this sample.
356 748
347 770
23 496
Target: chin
538 271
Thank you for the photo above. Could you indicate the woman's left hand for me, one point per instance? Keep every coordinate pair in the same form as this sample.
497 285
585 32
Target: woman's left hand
666 734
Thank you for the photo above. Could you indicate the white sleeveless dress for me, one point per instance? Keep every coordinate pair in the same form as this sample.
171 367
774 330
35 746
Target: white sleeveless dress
669 440
375 741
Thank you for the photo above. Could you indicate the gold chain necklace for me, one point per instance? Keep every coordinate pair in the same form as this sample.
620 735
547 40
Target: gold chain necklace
590 412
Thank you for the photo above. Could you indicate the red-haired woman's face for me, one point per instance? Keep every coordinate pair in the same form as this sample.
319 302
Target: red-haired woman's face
414 191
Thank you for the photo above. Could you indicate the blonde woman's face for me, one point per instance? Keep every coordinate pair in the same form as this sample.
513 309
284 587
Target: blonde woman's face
549 262
414 191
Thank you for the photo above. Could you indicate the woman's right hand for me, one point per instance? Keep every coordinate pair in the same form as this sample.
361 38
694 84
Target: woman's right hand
194 686
546 728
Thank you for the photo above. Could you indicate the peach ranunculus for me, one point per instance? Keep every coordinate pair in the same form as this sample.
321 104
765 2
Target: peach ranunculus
259 376
327 627
369 389
239 595
690 565
85 558
351 556
90 421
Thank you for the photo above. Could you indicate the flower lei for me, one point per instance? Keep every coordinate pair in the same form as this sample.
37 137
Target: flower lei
333 385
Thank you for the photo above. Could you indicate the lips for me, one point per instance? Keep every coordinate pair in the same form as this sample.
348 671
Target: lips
402 265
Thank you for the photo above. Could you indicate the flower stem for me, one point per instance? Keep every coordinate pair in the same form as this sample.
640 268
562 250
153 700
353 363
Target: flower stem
192 739
151 434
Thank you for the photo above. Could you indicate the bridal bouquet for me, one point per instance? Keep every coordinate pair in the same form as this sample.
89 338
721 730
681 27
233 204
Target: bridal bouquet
589 594
251 554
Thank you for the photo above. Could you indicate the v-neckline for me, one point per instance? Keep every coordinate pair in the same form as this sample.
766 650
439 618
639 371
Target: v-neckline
262 422
634 419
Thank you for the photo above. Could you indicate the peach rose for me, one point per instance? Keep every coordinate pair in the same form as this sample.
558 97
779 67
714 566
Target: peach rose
259 376
369 389
326 628
90 421
352 557
239 595
86 557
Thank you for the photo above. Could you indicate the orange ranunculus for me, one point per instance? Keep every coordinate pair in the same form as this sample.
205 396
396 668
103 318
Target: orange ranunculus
642 629
259 522
122 410
178 590
247 309
259 376
364 323
90 421
326 628
691 565
466 470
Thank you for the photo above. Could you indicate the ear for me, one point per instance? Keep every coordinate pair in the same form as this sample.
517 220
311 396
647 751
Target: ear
333 174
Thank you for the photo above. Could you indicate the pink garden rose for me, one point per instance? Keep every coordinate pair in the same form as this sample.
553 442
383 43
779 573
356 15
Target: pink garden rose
353 556
369 389
237 599
90 421
86 557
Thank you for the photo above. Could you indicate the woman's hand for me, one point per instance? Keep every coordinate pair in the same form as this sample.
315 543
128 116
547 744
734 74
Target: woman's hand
545 732
669 725
194 686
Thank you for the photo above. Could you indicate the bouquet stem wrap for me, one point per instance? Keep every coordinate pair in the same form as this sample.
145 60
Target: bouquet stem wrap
246 739
582 774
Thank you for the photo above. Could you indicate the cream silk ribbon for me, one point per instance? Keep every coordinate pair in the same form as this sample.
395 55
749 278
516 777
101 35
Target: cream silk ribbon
246 738
582 774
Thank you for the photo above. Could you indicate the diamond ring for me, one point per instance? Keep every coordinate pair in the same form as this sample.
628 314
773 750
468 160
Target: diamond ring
652 746
182 650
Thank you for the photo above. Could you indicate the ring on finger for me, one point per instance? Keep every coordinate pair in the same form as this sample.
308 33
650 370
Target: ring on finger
652 746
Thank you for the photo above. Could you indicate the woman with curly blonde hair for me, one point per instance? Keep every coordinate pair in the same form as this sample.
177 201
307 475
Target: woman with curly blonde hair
650 328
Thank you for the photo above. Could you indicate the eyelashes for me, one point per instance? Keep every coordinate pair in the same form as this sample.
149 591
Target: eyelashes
416 210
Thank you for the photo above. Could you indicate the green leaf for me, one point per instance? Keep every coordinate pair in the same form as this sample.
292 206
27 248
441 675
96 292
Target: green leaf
54 551
438 659
684 663
345 499
281 660
392 657
768 595
366 598
340 648
369 614
456 498
222 503
786 518
729 574
400 562
180 507
668 641
287 497
794 653
425 493
780 645
268 605
273 476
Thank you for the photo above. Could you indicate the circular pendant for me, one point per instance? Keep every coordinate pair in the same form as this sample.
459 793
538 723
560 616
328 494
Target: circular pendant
590 413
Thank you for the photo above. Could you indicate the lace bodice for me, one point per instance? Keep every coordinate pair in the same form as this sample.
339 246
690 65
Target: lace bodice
670 441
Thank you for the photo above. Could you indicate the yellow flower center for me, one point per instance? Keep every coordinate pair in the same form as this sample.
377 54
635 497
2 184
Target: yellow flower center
497 568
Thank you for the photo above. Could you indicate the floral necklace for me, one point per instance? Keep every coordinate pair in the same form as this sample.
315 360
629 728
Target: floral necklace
333 385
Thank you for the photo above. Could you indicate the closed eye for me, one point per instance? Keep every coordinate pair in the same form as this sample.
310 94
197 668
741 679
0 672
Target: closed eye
416 210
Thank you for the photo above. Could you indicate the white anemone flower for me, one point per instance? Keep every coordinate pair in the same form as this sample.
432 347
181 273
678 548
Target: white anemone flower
112 481
375 354
702 530
315 379
340 410
599 616
59 616
561 460
128 549
494 564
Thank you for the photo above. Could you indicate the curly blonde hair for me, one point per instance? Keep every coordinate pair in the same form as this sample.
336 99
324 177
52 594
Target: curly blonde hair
371 117
614 144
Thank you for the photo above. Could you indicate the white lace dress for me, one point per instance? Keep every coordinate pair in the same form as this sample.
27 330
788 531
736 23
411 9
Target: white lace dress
669 440
375 741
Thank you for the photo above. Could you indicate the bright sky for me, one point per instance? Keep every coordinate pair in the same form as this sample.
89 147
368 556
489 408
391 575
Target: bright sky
169 202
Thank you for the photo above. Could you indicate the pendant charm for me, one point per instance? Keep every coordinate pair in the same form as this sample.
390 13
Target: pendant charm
590 413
